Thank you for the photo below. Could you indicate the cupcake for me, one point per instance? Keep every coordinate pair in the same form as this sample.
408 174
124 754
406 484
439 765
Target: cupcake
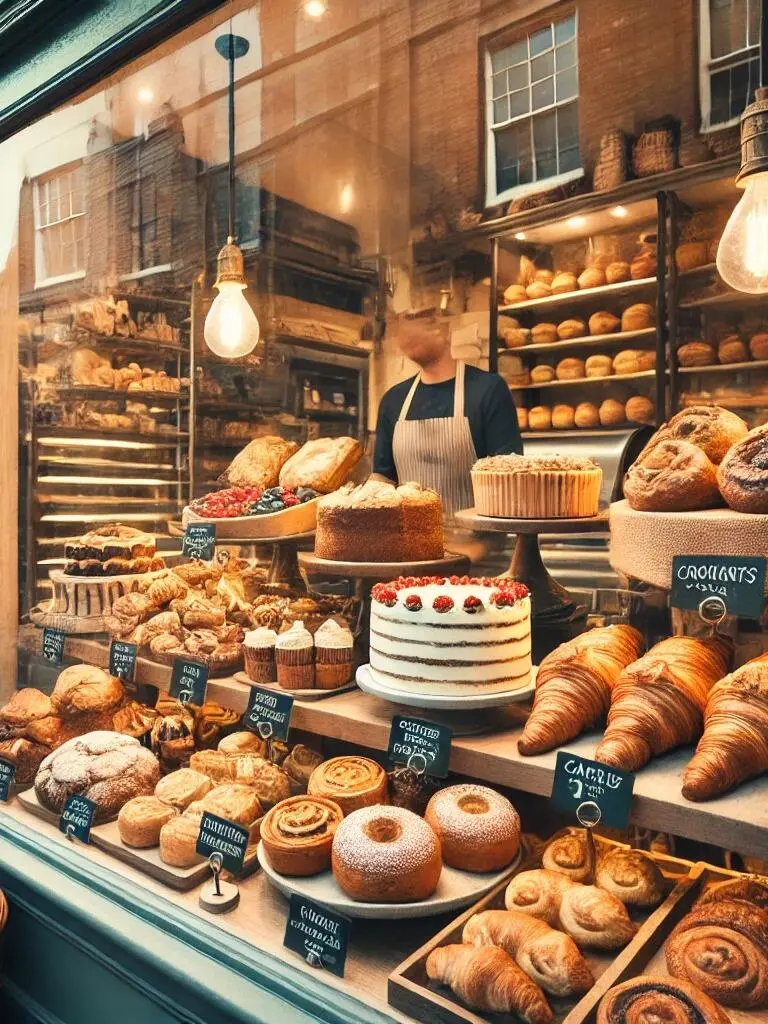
295 656
259 648
333 655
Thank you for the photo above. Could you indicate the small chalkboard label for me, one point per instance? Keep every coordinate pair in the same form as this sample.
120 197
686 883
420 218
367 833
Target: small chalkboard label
77 817
423 746
268 714
218 835
53 645
7 776
317 934
189 681
578 781
739 581
122 660
199 541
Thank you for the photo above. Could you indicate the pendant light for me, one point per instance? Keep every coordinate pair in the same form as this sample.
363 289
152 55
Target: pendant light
231 328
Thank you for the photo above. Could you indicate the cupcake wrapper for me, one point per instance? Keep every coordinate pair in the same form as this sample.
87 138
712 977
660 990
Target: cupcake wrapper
331 677
333 655
539 494
260 669
296 677
294 655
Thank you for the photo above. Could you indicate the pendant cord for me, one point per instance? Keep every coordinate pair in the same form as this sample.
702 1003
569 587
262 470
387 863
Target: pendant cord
231 138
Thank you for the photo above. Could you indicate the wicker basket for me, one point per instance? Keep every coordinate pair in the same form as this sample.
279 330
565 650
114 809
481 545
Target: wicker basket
654 152
611 168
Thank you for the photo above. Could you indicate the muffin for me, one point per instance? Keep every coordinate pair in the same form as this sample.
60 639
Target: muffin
333 655
294 657
536 487
259 650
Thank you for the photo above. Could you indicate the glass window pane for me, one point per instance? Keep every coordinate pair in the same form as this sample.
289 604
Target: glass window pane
565 29
65 205
739 89
543 94
545 145
499 85
568 138
514 54
500 110
567 84
517 78
541 40
542 67
513 156
728 26
43 215
565 55
518 103
719 84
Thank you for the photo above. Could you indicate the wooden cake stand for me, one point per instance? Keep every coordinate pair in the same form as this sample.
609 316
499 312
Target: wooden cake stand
555 615
83 604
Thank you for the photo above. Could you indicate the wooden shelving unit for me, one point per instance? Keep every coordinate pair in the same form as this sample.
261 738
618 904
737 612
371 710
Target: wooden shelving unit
583 297
620 339
584 381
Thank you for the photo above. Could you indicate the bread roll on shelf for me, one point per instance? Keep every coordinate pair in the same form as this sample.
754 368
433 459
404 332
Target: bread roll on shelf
542 373
586 415
604 322
540 417
570 368
563 417
598 366
611 413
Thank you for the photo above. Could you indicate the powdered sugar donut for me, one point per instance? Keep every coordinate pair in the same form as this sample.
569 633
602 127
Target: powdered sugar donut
478 828
386 855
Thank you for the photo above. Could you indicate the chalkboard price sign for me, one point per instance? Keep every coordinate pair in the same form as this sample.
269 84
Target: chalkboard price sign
199 541
218 835
423 746
189 681
122 660
317 934
53 646
77 817
268 714
7 776
739 581
581 781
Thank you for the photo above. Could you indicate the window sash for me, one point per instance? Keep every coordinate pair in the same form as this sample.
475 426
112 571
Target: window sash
710 66
59 221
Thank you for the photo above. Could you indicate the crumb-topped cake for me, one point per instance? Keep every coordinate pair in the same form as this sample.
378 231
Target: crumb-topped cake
112 550
460 635
378 522
536 486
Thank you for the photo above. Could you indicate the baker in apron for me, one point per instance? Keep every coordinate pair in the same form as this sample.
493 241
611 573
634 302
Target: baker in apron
434 426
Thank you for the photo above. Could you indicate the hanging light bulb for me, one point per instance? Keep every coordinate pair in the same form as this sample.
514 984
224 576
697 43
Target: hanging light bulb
742 253
231 327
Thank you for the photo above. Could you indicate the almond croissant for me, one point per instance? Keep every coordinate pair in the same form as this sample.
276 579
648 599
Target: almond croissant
573 686
658 701
734 746
488 979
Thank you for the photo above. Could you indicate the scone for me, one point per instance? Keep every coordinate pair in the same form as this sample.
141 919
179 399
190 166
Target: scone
141 819
178 840
182 787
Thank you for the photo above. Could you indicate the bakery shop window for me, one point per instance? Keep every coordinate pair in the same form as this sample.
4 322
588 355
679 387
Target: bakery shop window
60 226
532 118
730 60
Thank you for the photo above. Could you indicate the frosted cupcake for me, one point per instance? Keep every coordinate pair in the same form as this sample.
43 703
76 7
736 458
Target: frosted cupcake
333 655
259 648
295 656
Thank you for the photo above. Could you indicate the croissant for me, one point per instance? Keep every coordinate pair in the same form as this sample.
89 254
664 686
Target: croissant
633 877
658 702
647 1000
547 956
488 979
722 947
734 746
592 917
573 686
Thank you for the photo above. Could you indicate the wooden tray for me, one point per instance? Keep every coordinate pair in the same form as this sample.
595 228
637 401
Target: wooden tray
289 522
107 837
410 990
313 694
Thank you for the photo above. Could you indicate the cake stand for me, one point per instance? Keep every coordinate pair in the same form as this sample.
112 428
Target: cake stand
371 682
555 615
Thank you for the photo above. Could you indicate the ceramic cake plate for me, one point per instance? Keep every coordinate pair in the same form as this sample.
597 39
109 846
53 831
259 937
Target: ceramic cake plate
370 682
454 890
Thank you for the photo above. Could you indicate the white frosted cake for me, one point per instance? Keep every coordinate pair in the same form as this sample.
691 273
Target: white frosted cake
453 636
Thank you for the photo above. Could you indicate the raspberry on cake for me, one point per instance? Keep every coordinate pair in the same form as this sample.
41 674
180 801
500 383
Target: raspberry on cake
453 636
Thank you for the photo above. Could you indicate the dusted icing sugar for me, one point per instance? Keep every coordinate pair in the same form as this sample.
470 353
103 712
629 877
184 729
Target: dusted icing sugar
475 815
384 841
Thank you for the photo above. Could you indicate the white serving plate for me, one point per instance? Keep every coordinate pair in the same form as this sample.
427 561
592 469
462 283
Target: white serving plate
370 682
455 889
288 522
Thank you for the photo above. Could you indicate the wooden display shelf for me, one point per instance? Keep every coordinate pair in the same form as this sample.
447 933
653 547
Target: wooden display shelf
613 379
583 431
729 298
586 295
729 401
750 364
97 394
588 341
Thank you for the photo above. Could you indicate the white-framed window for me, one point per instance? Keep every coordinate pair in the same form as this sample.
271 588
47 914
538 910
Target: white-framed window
729 69
59 217
532 111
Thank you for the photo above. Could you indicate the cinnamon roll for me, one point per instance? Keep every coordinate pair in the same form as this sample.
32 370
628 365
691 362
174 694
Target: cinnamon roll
352 782
298 834
751 888
631 876
570 856
743 473
647 1000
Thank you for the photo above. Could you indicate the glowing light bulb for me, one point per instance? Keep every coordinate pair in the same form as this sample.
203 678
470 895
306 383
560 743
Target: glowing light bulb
315 8
231 328
742 255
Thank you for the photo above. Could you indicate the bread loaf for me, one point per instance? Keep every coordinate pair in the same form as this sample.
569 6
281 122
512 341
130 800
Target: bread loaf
540 417
732 350
570 369
640 409
690 255
522 417
616 272
322 464
544 334
592 277
259 463
571 329
603 323
758 346
696 353
611 413
513 294
586 415
563 417
538 290
563 282
599 366
637 317
542 374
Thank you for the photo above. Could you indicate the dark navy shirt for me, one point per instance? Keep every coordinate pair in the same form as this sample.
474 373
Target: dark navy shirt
488 406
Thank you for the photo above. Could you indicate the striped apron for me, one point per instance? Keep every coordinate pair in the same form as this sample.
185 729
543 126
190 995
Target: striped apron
437 453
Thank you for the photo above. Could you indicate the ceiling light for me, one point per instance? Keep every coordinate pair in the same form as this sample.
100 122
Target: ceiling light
520 236
619 212
346 198
576 222
145 95
315 8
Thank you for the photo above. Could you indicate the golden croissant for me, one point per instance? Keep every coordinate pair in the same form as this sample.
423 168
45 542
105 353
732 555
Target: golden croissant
658 701
734 746
650 1000
488 979
548 957
573 686
592 917
722 947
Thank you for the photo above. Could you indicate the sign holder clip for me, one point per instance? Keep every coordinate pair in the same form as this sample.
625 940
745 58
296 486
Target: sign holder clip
713 611
218 896
588 815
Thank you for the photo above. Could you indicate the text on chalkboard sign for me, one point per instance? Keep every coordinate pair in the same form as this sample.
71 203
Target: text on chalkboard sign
199 541
422 745
739 580
122 660
7 776
53 646
319 935
268 714
219 835
77 817
189 681
580 781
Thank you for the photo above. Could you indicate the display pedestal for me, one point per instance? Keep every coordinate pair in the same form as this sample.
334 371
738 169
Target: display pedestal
555 615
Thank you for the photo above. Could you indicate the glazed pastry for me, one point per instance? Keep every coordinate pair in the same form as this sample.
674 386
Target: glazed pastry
631 876
743 473
722 948
651 1000
563 282
542 373
616 272
243 742
173 739
570 369
750 888
478 828
544 334
696 353
569 855
598 366
671 476
182 787
178 840
563 417
141 819
134 719
594 919
592 277
611 413
604 323
637 317
732 350
540 417
758 346
734 746
211 720
586 415
573 686
709 427
86 689
297 834
386 855
640 409
410 790
300 764
488 979
25 756
352 782
658 702
548 957
571 329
